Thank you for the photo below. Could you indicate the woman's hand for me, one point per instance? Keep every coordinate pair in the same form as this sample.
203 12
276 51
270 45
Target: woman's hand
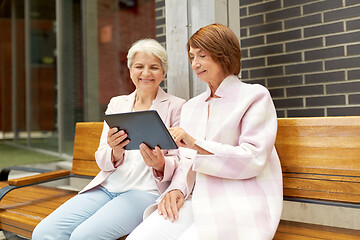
182 138
171 204
153 158
115 139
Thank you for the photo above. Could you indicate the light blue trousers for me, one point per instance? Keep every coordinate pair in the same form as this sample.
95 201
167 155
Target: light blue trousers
96 214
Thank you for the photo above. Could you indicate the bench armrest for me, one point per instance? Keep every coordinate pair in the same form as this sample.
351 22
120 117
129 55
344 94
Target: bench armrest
38 178
4 173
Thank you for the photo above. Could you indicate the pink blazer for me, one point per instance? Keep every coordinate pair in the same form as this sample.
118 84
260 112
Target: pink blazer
168 107
238 190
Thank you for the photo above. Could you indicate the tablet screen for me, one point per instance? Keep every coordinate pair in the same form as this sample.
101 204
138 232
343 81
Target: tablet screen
142 127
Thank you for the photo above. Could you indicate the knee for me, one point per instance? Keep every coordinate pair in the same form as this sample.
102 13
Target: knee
80 234
140 233
47 229
42 232
36 234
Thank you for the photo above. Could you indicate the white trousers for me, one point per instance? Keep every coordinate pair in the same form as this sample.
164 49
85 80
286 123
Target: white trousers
155 227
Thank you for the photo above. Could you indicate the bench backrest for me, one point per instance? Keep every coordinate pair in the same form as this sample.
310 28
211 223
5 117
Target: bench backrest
320 158
86 142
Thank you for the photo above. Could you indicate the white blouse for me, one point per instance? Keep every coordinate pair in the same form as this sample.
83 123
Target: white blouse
133 174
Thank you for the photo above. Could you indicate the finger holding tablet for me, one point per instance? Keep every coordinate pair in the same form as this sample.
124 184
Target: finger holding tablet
117 140
154 158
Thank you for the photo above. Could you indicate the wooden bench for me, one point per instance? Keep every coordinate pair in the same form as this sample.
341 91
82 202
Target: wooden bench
24 203
320 158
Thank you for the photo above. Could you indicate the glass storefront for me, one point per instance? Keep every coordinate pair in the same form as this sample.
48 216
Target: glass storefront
61 61
12 72
120 23
41 92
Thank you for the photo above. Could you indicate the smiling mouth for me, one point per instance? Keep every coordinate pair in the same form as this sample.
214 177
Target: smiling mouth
146 80
199 73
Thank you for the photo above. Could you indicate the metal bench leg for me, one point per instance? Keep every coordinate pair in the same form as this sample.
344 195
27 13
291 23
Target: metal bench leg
4 174
12 236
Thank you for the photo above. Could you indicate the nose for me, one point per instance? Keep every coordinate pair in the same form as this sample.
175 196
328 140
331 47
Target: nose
146 72
195 64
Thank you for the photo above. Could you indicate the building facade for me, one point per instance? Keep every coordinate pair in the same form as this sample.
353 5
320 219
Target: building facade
62 60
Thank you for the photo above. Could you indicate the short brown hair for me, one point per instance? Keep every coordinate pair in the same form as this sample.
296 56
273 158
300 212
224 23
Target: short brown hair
222 43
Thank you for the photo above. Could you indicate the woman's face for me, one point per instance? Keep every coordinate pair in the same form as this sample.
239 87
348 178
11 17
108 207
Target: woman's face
205 67
146 72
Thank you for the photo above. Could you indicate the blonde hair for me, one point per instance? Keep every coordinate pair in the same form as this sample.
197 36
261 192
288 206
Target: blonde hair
150 47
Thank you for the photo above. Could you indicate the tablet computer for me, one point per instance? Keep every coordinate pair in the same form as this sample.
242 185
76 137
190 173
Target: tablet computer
142 127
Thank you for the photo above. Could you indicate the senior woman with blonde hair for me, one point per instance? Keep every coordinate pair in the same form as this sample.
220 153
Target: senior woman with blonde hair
229 183
112 204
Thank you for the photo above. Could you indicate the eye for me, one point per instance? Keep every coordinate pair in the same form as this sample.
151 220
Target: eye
202 56
155 68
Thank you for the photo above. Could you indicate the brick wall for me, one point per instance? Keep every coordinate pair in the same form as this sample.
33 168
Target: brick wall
306 52
160 28
160 21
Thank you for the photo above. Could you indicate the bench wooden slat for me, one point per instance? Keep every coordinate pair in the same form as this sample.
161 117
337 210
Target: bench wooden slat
55 199
85 147
288 230
325 145
19 220
36 194
39 207
320 121
85 167
340 178
33 192
322 164
19 231
321 188
291 236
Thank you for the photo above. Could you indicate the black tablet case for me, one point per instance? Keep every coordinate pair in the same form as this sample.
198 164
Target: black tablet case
142 127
